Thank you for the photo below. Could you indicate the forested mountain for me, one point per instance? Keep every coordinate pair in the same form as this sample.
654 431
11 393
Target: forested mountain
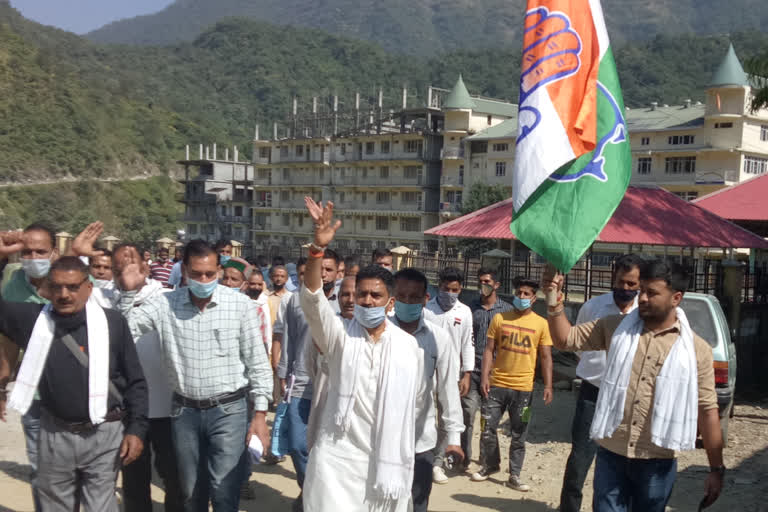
433 27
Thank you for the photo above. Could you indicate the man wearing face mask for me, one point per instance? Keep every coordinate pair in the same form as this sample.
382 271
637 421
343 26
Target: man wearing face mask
514 341
488 305
440 371
213 351
100 268
456 318
363 457
623 300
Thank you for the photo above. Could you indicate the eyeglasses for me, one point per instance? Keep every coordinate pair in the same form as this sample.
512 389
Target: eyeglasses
71 288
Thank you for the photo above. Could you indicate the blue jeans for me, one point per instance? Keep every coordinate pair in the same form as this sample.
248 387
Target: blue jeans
583 449
297 418
209 445
30 423
622 483
422 480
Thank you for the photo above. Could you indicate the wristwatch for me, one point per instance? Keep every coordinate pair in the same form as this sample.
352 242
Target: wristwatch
717 469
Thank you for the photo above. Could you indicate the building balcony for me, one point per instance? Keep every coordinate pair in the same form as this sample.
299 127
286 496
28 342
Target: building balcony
293 160
376 181
451 181
394 157
447 209
234 219
452 153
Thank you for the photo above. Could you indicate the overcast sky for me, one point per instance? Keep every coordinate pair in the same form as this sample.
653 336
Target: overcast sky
81 16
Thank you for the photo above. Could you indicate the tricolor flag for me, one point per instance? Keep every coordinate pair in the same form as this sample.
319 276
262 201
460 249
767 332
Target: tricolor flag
573 160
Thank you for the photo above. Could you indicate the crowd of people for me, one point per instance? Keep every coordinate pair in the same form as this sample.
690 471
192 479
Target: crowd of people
375 383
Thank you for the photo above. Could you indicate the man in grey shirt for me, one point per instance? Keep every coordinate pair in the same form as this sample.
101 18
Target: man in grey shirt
295 368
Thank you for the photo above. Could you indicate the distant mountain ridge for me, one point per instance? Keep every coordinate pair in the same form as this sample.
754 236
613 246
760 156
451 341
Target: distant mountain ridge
432 27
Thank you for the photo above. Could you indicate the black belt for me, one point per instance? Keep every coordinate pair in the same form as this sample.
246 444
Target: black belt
207 403
78 427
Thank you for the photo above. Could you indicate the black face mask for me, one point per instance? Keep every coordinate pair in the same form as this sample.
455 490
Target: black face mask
327 287
254 294
278 287
622 296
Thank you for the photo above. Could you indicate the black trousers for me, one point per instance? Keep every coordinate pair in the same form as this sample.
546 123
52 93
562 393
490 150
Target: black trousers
422 480
137 476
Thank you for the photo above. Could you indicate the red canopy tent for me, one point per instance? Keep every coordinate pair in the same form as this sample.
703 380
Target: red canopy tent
646 215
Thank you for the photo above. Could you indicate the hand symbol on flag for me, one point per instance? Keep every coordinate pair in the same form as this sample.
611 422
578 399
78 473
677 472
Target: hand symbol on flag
551 51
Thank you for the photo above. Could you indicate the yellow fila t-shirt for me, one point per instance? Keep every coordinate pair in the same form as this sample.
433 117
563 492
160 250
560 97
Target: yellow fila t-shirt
517 339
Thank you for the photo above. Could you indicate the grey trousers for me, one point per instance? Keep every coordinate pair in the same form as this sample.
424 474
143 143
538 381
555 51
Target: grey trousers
85 464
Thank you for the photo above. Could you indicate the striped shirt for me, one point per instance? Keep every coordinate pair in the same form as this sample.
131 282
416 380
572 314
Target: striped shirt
481 320
207 353
161 271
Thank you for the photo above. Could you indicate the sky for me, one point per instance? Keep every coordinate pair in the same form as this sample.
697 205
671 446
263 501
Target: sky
81 16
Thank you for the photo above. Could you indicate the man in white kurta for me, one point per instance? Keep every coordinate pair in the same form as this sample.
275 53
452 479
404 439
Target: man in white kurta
362 459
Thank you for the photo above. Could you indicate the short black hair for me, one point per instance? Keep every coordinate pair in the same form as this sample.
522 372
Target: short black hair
301 261
129 245
676 276
449 275
483 271
376 272
351 261
276 267
627 262
413 275
526 281
106 252
68 264
330 254
278 261
262 261
198 249
381 252
220 244
39 226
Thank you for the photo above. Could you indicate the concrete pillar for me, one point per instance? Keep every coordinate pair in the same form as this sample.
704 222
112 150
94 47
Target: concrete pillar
226 154
733 284
63 241
214 151
201 152
186 156
256 132
207 152
111 242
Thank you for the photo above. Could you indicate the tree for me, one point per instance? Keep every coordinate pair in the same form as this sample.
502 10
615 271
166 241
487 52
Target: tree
479 196
757 70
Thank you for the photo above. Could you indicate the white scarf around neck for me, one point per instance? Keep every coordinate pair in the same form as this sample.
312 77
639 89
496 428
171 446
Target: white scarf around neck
676 391
394 430
36 355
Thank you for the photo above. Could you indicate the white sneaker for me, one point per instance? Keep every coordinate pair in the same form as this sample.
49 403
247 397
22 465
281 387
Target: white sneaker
439 476
514 483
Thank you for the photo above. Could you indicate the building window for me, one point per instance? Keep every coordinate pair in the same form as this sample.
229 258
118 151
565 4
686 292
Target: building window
764 132
363 224
285 196
382 223
410 224
385 146
263 174
680 165
501 147
382 197
676 140
501 168
223 210
192 229
754 165
643 166
724 125
238 211
645 141
286 219
364 197
343 148
299 150
411 197
478 147
489 119
461 175
411 172
322 174
263 152
384 173
687 196
370 148
286 174
283 151
342 196
300 220
411 146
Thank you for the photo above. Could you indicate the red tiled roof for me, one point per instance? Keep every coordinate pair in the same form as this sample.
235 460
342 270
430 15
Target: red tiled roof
646 215
747 200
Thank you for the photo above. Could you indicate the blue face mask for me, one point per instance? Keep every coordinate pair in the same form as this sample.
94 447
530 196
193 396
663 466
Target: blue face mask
521 304
224 258
408 312
36 268
370 317
201 290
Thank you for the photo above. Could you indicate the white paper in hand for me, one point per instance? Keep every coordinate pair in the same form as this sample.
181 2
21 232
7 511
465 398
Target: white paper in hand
256 449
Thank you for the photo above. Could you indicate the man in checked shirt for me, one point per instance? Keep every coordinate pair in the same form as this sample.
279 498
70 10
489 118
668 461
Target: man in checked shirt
211 340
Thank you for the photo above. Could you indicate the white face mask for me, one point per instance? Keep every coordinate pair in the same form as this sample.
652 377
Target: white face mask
103 283
36 268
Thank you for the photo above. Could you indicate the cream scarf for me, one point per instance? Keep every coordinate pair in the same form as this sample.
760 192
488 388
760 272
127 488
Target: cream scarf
36 355
676 391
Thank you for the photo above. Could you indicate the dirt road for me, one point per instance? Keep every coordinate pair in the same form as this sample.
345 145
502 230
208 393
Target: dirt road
275 486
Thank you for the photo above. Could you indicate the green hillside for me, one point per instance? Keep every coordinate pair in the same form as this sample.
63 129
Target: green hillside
433 27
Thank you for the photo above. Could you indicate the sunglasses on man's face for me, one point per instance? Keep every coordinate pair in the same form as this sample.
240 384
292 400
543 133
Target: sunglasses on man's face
71 288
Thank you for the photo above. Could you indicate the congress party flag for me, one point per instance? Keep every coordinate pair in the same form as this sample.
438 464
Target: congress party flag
573 159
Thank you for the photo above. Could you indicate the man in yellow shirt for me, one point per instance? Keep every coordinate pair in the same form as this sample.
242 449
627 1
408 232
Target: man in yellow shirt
515 338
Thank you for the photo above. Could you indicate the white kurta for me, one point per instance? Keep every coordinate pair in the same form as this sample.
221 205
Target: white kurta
340 473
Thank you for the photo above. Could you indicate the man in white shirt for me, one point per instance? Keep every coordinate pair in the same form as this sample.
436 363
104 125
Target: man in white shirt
456 318
441 373
623 300
363 457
